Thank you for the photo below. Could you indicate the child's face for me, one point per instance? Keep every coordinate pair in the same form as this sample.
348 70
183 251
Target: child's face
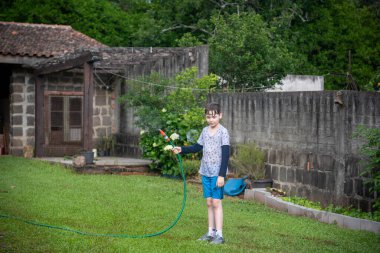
213 118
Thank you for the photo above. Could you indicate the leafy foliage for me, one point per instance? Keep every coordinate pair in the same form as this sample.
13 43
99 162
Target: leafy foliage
250 58
334 209
371 152
174 105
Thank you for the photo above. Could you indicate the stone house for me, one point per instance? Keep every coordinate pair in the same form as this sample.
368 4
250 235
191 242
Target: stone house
59 87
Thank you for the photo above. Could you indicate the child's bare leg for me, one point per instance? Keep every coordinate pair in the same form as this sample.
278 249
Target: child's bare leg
210 209
218 213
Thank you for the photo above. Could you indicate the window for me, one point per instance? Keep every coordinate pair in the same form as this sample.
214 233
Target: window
65 119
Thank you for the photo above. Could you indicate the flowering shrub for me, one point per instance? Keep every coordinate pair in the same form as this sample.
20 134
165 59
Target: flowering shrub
174 105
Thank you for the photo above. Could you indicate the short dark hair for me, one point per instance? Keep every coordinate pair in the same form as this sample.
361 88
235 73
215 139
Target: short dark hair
213 108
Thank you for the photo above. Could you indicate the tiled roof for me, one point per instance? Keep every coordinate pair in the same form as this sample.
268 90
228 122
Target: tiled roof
42 40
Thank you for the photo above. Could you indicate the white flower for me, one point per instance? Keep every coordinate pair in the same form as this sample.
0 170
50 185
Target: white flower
163 110
142 132
174 136
168 147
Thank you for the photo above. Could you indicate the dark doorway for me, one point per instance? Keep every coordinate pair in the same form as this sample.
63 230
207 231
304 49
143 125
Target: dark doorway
5 79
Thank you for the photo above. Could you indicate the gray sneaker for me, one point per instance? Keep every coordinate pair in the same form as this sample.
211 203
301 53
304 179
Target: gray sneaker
217 240
206 237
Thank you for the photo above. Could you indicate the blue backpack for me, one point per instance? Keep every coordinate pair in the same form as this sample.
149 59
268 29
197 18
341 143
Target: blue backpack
234 186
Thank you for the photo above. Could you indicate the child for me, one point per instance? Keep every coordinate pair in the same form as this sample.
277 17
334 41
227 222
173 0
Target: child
215 142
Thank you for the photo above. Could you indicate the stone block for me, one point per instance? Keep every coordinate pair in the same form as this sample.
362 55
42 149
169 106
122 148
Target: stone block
294 209
260 197
288 158
17 98
96 121
314 178
275 172
17 132
358 186
17 88
279 157
290 175
30 141
282 174
348 186
17 120
79 161
372 226
330 181
337 219
16 151
30 109
306 177
106 121
16 143
326 162
276 203
31 98
268 171
321 180
30 121
351 222
100 100
249 194
314 214
272 156
17 109
30 132
299 176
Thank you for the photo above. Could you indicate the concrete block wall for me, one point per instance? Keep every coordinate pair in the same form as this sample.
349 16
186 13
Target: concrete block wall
307 139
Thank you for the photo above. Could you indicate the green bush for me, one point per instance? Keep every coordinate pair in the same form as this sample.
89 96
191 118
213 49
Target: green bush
248 160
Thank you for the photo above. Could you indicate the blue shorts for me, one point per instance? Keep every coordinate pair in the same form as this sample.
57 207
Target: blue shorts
210 190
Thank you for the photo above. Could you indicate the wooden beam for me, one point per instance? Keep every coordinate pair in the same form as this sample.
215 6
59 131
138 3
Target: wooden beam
39 118
87 106
65 64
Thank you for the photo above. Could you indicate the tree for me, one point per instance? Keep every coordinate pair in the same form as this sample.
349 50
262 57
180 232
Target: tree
100 19
247 53
333 29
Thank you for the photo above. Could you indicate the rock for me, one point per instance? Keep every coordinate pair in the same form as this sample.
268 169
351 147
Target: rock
79 161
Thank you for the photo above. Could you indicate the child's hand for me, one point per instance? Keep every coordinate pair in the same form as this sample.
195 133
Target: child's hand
177 150
220 182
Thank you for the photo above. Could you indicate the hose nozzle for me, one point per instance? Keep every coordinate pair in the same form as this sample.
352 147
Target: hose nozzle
164 135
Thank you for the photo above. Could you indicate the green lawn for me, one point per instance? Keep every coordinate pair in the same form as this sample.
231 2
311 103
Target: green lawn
112 204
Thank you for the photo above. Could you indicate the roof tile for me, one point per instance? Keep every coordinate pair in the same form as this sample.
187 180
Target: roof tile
42 40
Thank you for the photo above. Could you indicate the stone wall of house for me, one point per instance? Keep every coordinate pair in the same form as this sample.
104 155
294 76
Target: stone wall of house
307 138
22 107
21 131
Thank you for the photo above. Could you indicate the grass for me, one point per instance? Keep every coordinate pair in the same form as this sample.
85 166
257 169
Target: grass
54 195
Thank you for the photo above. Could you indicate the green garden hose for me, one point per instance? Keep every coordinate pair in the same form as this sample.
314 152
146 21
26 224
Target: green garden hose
116 235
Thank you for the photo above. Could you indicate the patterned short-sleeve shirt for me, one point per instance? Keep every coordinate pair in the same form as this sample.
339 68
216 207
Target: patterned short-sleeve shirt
212 150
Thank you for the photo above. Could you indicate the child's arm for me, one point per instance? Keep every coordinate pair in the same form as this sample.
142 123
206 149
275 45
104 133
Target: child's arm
223 166
186 150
